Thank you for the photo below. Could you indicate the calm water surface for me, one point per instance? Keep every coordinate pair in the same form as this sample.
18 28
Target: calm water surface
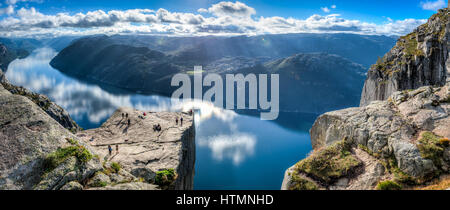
234 151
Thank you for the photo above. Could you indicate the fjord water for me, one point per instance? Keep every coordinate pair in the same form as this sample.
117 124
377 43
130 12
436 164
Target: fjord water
233 151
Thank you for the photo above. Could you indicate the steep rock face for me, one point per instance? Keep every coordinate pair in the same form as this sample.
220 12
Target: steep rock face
52 109
28 136
8 53
144 152
404 138
6 56
418 59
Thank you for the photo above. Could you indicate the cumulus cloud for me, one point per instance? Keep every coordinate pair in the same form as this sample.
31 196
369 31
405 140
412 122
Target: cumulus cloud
325 9
9 10
328 10
433 5
231 9
227 18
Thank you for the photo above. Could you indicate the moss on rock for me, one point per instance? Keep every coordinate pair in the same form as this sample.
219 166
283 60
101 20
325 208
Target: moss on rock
330 164
431 147
300 183
388 185
61 154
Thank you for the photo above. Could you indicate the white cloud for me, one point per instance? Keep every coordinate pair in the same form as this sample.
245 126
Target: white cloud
202 10
9 10
328 10
231 9
433 5
325 9
227 18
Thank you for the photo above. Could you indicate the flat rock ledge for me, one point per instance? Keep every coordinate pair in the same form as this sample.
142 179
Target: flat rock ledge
144 151
403 141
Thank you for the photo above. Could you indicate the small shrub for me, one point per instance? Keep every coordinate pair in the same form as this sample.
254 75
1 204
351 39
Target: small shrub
299 183
165 177
115 167
102 184
71 141
430 147
388 185
330 163
61 154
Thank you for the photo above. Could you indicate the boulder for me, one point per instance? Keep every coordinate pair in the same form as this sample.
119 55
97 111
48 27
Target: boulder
72 186
29 138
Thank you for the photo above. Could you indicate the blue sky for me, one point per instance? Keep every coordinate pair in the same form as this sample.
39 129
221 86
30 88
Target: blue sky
371 17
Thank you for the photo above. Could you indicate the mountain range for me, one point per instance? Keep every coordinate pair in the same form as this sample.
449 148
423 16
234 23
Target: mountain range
329 65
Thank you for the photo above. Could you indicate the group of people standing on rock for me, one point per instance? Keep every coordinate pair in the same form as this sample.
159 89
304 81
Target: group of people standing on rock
181 121
157 127
125 115
110 149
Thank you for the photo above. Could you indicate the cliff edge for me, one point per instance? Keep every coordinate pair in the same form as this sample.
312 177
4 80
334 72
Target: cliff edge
420 58
144 151
399 137
403 140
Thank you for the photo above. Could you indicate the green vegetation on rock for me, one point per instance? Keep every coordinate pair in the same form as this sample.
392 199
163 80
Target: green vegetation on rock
330 164
388 185
72 141
300 183
410 45
165 177
61 154
432 147
115 167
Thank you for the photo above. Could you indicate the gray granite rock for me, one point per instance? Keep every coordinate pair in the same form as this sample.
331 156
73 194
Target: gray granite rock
144 151
418 59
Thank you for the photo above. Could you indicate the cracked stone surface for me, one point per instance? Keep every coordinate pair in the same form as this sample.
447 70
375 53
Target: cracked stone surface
143 151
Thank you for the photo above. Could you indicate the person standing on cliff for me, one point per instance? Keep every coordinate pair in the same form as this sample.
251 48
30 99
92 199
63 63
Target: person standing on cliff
110 150
176 120
117 148
181 121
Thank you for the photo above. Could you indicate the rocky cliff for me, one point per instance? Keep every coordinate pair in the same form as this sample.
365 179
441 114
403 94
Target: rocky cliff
144 152
52 109
34 146
404 140
418 59
7 55
396 139
37 152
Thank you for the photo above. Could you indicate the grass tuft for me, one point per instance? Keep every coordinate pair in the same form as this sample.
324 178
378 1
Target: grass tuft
388 185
